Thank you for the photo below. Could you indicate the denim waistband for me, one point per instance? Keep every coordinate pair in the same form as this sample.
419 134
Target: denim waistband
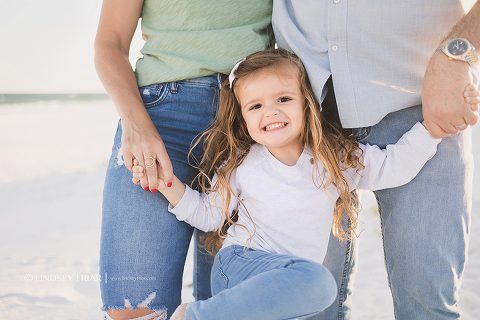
215 79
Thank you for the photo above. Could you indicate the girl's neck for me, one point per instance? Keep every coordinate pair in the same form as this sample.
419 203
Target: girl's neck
288 157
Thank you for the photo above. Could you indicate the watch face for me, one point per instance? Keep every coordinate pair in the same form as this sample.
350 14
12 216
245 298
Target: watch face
457 47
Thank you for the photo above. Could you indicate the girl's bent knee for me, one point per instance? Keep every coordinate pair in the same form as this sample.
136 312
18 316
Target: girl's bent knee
323 288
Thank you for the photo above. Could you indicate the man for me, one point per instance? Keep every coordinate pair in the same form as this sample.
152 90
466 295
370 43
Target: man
390 64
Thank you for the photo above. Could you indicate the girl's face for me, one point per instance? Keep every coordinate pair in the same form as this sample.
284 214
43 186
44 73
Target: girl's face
272 107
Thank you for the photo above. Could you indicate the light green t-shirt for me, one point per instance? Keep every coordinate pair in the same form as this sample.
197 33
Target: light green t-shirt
192 38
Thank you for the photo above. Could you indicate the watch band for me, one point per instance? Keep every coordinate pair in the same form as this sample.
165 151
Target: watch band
470 56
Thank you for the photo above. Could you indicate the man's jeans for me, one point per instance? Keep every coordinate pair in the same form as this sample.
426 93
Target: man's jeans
425 226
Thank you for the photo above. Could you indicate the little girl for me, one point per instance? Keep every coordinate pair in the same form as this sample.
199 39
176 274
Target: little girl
276 176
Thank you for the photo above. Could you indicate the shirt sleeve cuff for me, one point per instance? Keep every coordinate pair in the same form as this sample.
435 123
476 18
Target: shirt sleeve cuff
424 138
187 204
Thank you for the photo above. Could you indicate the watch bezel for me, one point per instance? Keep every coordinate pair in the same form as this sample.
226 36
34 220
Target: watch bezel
457 56
470 56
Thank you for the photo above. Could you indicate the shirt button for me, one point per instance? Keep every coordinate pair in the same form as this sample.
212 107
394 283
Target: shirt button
335 48
336 1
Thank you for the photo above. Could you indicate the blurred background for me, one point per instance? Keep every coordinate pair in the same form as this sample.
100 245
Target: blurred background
47 46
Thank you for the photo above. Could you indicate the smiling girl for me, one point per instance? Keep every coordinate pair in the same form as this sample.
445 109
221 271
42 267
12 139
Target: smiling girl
276 177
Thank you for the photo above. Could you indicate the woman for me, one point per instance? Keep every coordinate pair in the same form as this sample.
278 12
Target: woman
163 105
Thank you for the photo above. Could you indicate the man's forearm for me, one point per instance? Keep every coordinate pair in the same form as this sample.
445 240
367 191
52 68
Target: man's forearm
468 27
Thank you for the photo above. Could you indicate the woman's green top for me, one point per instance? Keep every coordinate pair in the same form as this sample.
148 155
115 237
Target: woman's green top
191 38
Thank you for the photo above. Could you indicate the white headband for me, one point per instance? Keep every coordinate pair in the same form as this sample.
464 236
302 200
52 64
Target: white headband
231 76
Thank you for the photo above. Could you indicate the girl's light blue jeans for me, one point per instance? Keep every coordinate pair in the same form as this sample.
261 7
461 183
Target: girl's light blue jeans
143 246
425 226
250 284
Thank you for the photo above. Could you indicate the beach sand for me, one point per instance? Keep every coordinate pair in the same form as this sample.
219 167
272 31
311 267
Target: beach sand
52 166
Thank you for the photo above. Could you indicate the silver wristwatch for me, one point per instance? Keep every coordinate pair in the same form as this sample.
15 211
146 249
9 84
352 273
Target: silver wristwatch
459 49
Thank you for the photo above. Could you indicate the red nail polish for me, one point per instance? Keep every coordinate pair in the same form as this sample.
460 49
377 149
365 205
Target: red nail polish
154 190
146 188
169 185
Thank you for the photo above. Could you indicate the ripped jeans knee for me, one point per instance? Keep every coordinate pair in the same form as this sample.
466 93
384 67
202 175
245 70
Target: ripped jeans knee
155 315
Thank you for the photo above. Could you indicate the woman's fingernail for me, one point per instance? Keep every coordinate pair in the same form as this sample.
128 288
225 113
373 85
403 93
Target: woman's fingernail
154 190
169 185
146 188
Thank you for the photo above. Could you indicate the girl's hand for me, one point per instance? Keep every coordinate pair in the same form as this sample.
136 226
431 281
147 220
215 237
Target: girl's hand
174 192
472 96
138 173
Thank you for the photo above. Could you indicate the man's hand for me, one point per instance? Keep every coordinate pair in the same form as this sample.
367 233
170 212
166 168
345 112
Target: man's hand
444 108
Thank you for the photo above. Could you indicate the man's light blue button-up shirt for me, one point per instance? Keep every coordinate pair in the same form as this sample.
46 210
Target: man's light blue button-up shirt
376 50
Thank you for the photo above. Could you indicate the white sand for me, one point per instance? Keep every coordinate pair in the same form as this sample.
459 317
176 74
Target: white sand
52 167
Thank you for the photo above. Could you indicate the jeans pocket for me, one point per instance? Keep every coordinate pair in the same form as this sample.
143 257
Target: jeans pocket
153 95
362 133
219 278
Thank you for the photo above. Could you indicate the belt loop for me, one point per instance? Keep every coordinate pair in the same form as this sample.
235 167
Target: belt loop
221 79
173 86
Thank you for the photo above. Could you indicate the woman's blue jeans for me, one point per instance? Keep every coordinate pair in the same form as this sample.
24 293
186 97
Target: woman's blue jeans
250 284
143 246
425 226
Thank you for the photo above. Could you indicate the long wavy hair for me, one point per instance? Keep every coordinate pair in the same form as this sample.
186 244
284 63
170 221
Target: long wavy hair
227 142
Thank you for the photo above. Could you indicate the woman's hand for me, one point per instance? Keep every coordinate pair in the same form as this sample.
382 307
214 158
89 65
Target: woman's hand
141 143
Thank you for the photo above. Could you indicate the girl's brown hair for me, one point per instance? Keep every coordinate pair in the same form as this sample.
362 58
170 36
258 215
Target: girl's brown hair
227 142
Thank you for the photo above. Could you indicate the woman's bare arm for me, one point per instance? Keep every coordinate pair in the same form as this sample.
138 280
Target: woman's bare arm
140 139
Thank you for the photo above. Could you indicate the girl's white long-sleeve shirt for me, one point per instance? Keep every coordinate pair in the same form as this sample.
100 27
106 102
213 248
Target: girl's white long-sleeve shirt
284 211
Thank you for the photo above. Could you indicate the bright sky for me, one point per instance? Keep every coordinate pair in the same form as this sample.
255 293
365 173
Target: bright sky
47 46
